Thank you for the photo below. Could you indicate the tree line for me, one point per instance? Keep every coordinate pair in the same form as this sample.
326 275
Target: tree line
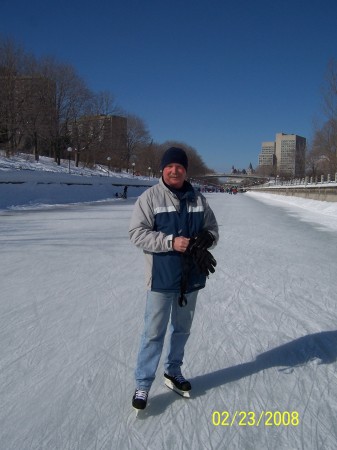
322 154
60 112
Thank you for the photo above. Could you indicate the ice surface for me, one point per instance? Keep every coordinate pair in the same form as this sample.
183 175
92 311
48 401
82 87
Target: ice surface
264 336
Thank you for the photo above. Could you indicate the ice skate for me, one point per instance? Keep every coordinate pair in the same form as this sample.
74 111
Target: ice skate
139 400
178 384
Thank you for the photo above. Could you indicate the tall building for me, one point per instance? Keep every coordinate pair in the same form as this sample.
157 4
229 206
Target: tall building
287 153
267 155
290 154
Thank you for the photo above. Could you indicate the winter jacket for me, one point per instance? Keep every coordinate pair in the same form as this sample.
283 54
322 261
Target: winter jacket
158 216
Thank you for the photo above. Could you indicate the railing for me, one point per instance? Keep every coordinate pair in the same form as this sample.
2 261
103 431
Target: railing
306 181
317 188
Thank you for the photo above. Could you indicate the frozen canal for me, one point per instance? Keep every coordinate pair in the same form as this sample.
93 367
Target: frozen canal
261 357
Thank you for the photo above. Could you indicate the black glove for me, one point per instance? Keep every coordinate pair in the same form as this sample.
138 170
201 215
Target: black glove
205 261
204 240
203 258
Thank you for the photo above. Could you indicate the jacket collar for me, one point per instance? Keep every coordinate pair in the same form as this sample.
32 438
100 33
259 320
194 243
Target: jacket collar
187 191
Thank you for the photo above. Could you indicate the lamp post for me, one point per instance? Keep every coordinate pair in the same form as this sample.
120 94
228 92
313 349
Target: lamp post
69 150
133 169
149 169
108 159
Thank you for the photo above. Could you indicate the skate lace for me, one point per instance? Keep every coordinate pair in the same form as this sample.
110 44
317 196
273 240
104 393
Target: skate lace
180 379
141 395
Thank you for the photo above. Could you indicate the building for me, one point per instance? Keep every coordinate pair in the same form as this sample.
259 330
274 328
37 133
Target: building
290 154
28 111
267 155
99 138
286 155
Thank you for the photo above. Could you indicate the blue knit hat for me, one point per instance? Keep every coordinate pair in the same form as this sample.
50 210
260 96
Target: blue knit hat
174 155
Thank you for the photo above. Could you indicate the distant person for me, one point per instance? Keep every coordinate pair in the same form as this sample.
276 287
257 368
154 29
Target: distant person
125 192
174 225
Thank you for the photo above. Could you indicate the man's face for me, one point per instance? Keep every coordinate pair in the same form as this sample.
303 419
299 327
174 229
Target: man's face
174 175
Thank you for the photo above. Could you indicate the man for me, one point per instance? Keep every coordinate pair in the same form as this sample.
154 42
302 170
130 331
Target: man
174 226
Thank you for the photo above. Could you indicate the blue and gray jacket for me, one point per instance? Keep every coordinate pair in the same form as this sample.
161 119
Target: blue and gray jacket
159 216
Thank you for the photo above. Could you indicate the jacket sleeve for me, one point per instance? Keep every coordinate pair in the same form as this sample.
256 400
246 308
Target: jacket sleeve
210 222
141 228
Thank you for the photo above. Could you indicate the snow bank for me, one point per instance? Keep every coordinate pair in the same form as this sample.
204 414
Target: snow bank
322 213
27 184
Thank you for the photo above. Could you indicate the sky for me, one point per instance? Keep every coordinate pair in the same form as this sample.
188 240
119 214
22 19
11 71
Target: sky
220 76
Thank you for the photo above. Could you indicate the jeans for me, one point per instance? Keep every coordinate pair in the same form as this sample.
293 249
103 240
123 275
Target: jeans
159 308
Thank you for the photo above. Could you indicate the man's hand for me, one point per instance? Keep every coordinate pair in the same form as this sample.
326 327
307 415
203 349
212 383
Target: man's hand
180 244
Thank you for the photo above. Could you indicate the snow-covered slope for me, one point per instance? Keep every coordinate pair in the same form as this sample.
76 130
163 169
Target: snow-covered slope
26 183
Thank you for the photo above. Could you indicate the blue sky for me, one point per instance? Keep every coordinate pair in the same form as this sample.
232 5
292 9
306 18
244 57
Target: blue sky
221 76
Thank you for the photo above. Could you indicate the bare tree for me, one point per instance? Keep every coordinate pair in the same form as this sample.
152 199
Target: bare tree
12 62
38 100
138 138
80 115
36 113
330 91
72 98
266 170
324 147
103 103
89 131
147 159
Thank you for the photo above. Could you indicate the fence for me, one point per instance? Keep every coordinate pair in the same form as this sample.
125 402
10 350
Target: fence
306 181
316 188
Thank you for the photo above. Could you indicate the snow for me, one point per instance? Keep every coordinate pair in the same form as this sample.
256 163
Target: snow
71 312
25 183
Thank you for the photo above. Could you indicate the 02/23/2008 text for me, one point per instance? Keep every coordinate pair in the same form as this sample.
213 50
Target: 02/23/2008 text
251 419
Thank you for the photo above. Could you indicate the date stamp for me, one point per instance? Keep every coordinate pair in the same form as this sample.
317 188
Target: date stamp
253 419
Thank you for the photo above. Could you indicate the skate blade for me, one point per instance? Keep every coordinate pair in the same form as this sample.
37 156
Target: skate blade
139 412
170 385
